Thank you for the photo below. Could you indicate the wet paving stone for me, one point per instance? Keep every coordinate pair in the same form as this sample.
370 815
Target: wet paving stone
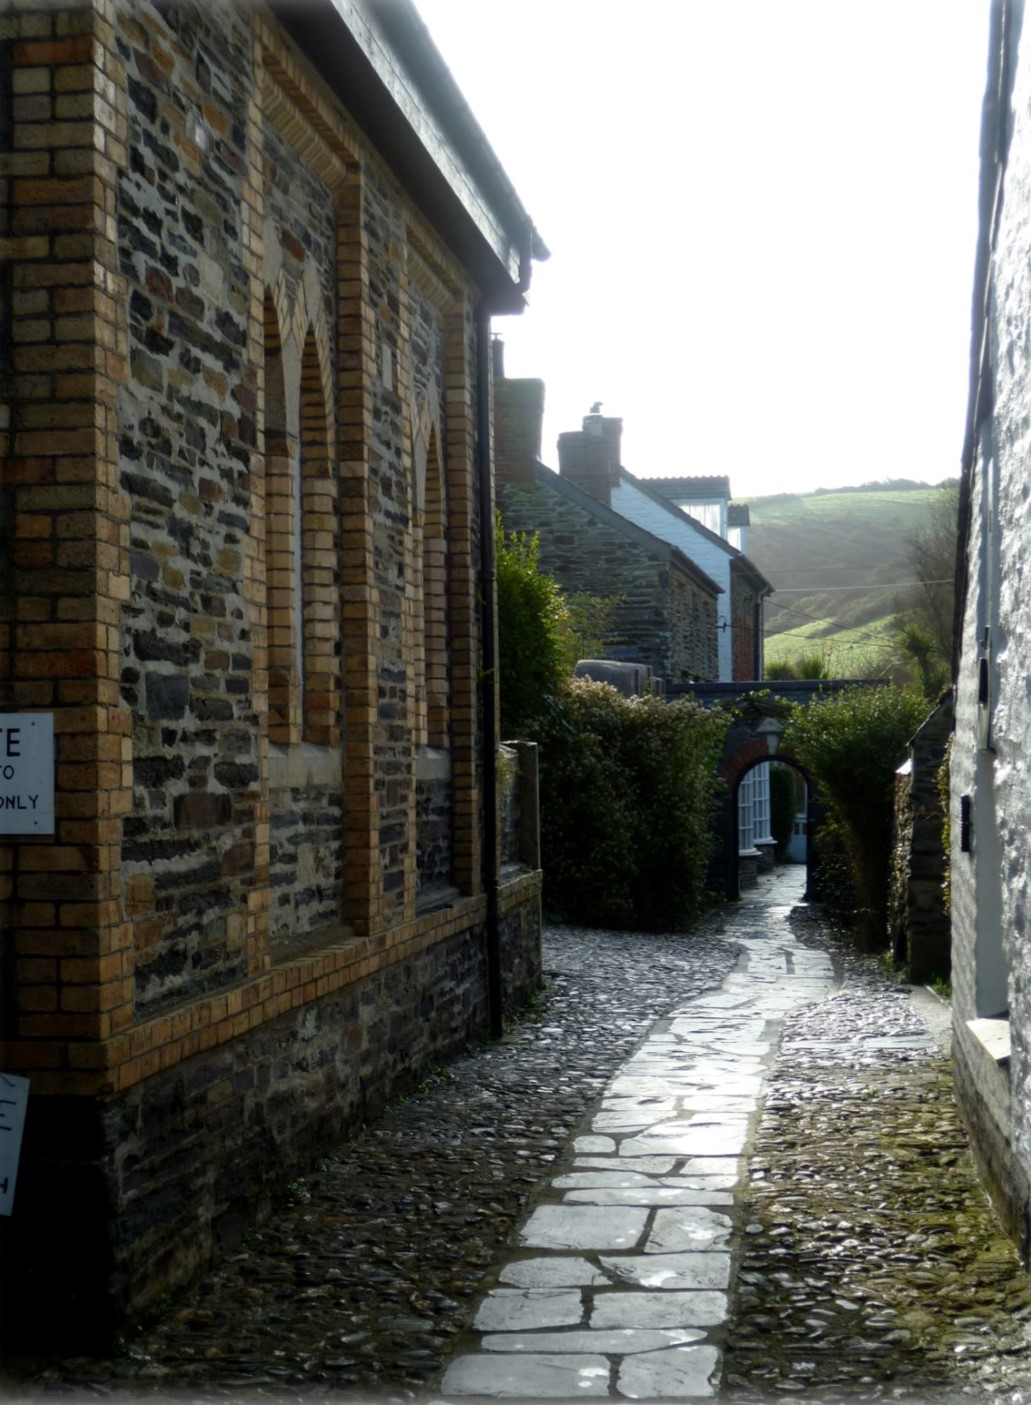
823 1236
872 1266
689 1096
371 1268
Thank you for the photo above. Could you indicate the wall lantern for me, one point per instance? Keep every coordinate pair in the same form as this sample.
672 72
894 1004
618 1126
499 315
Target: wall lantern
771 729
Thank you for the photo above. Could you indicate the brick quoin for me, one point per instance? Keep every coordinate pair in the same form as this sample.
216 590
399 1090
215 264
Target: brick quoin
733 767
241 491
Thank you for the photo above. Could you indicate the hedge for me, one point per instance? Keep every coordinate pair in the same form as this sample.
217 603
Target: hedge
629 789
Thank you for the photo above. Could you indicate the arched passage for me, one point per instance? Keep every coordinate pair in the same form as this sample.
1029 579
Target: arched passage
743 757
769 793
754 735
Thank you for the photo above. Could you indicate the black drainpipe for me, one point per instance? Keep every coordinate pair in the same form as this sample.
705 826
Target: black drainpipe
488 673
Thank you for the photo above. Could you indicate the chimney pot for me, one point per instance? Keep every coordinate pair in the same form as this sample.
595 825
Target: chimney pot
589 457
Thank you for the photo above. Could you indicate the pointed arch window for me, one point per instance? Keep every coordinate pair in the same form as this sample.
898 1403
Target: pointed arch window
435 602
318 577
282 542
301 543
433 688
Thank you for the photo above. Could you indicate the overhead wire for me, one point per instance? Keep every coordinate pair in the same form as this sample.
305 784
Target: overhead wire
866 585
804 614
857 632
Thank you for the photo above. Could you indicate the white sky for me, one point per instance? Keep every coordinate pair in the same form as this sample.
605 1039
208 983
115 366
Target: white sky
762 216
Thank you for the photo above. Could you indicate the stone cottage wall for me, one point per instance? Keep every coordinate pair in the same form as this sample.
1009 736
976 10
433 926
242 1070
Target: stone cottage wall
664 619
983 941
693 628
990 804
713 556
744 602
240 428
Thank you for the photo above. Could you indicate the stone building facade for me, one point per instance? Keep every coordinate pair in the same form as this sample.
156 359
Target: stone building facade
250 257
990 810
716 532
691 602
665 610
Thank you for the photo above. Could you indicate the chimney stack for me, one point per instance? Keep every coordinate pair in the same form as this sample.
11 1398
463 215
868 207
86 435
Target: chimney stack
497 357
518 422
589 457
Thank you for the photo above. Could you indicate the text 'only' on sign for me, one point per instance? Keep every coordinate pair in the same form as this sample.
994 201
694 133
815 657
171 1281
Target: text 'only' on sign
26 773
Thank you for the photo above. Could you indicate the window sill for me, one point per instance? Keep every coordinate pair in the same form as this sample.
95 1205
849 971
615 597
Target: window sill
285 949
994 1037
437 900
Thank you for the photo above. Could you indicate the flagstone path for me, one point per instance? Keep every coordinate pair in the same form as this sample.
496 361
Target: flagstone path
619 1285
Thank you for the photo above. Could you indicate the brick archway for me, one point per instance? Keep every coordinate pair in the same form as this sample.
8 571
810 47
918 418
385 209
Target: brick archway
735 767
750 753
754 705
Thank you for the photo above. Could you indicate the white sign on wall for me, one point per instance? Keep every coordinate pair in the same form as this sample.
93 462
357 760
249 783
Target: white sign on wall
14 1096
26 773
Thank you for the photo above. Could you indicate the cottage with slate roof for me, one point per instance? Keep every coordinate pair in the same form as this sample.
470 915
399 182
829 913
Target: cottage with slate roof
665 616
690 603
594 519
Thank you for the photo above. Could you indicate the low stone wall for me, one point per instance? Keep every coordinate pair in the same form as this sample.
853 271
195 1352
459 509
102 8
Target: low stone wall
918 920
123 1199
519 805
983 1096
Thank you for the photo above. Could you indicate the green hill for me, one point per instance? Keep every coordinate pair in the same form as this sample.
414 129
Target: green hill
838 562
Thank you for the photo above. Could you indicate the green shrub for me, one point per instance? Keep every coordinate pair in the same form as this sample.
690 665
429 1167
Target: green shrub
531 621
852 742
628 794
587 627
811 665
837 889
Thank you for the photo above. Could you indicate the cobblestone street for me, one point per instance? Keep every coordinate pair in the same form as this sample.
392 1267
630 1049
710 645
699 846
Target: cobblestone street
872 1265
726 1163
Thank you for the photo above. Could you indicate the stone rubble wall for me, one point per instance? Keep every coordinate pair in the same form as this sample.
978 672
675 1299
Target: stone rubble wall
744 605
664 619
242 393
187 416
196 1156
918 922
654 514
435 833
991 865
